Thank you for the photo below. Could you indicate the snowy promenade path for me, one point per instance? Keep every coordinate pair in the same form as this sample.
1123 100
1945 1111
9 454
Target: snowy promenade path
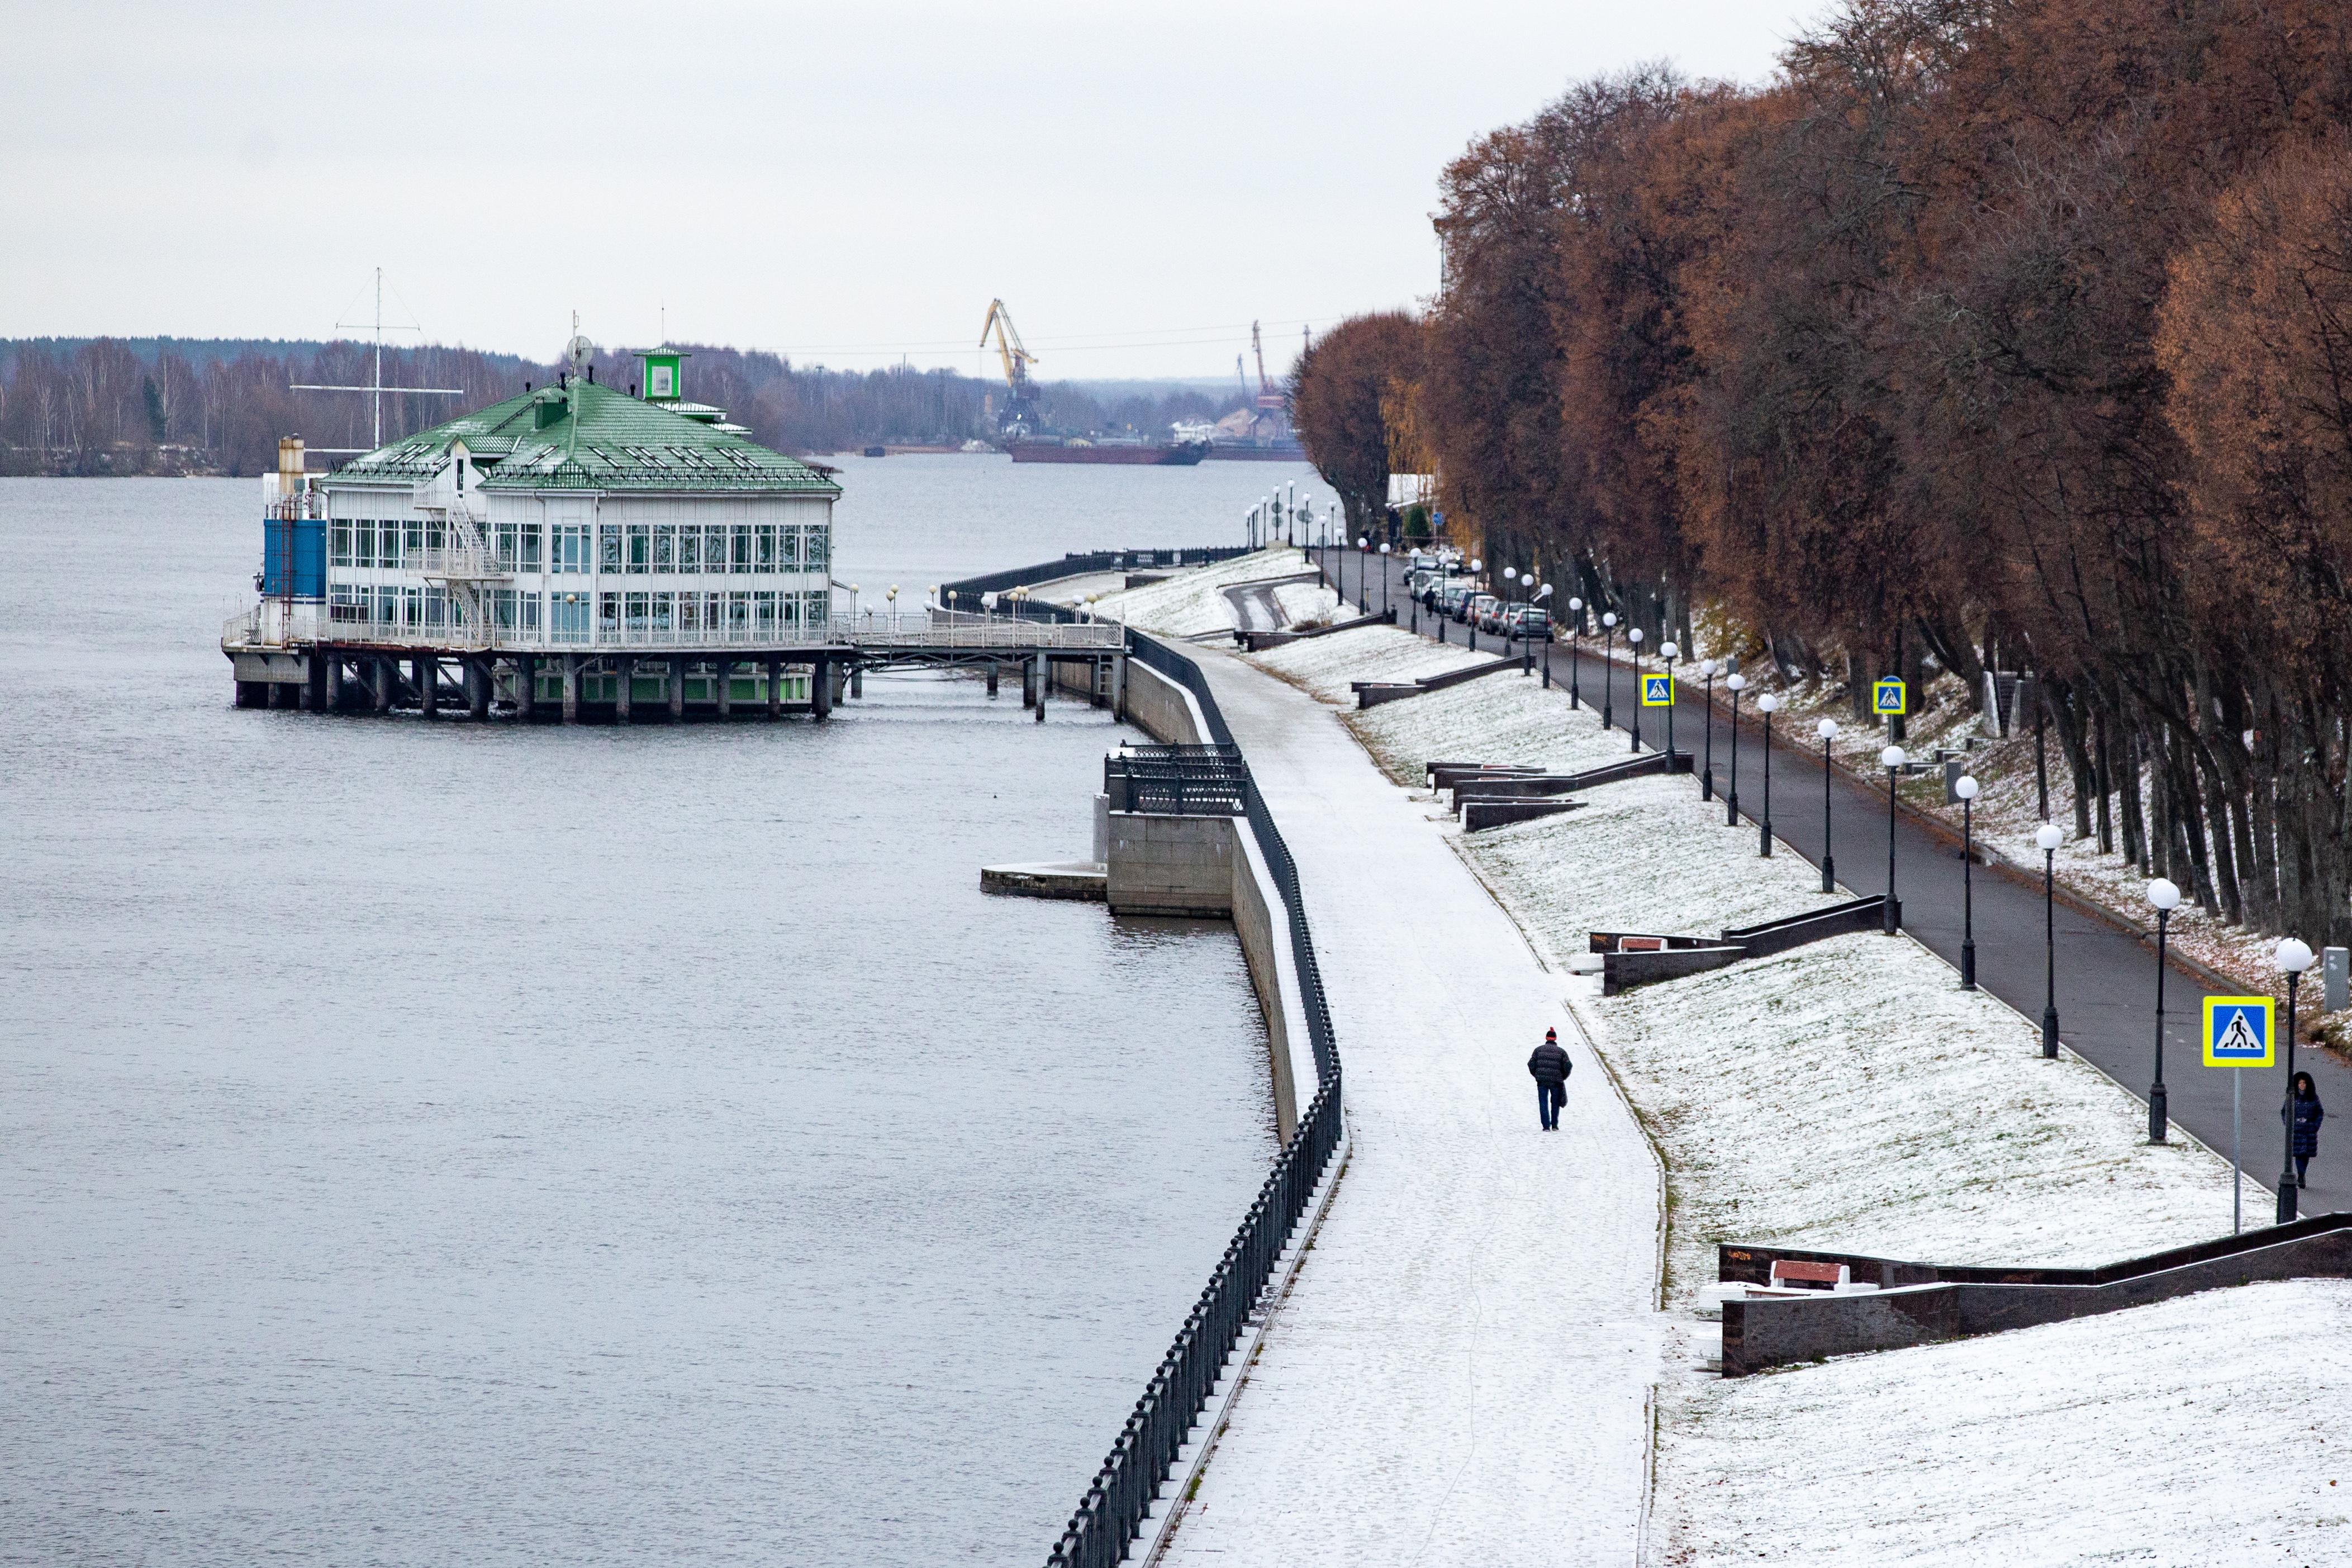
1460 1373
2107 978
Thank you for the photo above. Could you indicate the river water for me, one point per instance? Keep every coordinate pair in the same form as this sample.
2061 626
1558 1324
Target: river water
433 1142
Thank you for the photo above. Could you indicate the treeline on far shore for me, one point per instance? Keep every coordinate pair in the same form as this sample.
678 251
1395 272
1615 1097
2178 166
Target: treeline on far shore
105 405
2004 334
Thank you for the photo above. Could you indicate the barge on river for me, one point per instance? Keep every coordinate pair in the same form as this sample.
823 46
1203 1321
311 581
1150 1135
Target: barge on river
581 551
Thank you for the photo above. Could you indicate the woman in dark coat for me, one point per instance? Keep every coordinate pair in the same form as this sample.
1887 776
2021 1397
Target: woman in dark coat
2308 1114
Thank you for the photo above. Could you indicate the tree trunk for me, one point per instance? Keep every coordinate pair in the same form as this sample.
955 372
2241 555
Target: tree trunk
2105 775
2128 803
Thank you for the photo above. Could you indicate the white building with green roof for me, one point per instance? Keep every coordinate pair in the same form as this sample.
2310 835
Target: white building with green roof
572 544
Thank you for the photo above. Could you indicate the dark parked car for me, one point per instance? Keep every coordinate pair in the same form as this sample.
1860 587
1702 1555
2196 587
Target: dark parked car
1532 622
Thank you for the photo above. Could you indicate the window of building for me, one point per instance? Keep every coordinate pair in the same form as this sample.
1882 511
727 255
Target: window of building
346 603
608 547
788 614
739 616
765 536
387 607
817 546
528 558
640 547
788 548
507 546
413 607
636 612
340 532
664 614
567 618
714 547
689 549
741 541
816 613
571 547
764 614
665 547
689 615
436 607
608 617
528 602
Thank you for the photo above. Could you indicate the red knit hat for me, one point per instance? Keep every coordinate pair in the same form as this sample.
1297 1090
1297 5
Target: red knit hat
1551 1033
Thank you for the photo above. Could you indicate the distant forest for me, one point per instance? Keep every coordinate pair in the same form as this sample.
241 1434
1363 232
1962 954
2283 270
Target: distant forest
182 406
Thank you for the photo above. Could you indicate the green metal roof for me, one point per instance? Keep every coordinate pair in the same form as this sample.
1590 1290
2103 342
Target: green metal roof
581 436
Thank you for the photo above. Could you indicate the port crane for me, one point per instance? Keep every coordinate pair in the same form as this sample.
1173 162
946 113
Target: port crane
1019 416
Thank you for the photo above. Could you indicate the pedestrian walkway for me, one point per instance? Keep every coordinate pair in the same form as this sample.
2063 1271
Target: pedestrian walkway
1461 1374
2106 976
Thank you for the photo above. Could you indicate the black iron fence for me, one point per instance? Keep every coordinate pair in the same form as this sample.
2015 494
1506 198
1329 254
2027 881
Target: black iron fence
1113 1509
1178 780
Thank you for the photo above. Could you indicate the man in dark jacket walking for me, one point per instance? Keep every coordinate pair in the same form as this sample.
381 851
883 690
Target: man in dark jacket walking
1550 1067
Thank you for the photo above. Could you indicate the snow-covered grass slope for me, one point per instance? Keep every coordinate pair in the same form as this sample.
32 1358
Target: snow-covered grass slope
1193 601
2198 1433
1324 665
1499 718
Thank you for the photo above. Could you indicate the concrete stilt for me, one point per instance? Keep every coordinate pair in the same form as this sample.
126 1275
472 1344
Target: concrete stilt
992 669
628 679
1028 684
1044 684
334 685
857 680
775 688
477 688
314 685
427 675
526 686
572 688
382 671
1118 688
821 678
726 668
677 686
282 694
1098 683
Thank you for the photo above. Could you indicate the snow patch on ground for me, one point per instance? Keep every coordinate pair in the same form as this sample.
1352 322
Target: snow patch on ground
2203 1431
1323 666
1301 603
1193 601
1499 719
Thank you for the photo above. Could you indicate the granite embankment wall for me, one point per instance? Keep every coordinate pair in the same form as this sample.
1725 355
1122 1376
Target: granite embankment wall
1209 865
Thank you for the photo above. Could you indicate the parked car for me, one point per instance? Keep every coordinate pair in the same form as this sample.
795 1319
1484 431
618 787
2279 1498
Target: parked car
1532 622
1475 609
1498 614
1450 598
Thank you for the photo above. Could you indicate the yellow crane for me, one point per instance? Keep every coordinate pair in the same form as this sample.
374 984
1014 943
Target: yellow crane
1020 401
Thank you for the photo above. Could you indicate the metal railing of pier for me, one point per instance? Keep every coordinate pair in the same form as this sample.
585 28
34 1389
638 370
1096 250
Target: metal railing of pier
1178 780
905 632
1119 1499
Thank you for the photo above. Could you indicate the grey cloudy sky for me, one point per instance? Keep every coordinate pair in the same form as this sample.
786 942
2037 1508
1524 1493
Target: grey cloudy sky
843 183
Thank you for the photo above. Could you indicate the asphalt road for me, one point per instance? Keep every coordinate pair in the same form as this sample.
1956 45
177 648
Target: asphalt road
2106 976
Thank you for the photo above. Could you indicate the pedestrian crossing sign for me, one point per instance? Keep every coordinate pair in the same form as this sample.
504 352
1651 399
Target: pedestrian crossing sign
2238 1032
1657 691
1887 697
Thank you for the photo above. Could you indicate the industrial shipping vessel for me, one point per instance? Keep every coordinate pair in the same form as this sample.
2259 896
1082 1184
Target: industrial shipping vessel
1175 453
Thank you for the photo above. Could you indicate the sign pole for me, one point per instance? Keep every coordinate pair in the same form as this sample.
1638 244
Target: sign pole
2237 1164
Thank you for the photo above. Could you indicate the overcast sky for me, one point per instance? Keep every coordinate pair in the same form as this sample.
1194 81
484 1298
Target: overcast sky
846 182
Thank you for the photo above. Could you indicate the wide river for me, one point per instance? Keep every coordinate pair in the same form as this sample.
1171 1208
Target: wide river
447 1143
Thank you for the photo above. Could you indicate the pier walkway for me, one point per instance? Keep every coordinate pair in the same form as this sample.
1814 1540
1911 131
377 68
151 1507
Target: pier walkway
1460 1373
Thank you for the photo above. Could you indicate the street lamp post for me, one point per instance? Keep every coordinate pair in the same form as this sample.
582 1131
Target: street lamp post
1634 641
2047 837
1767 705
893 592
2294 958
1607 665
1827 729
1736 684
1668 651
1707 775
1892 759
1363 565
1575 652
1966 790
1384 578
2166 897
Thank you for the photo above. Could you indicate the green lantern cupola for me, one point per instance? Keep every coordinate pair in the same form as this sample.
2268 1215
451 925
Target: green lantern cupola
663 374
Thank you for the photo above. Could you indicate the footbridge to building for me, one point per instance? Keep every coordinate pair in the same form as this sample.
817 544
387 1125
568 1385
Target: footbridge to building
628 671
